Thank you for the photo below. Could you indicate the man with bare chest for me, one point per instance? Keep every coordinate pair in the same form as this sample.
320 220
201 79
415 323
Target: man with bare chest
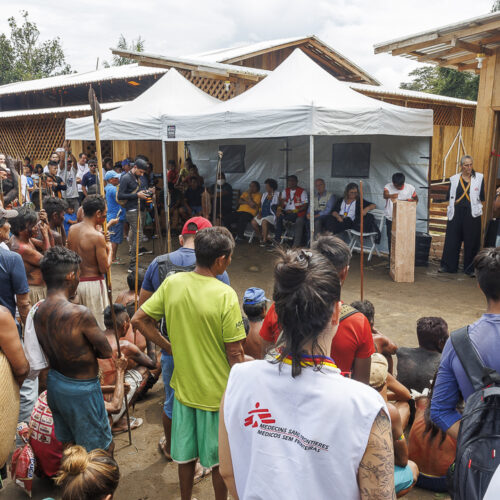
23 242
96 255
72 342
138 364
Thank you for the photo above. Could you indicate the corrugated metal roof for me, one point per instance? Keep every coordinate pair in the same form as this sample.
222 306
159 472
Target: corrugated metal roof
224 54
114 73
425 96
59 110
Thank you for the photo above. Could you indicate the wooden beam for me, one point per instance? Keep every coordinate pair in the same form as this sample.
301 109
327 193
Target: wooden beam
467 67
416 41
256 53
457 60
471 47
438 56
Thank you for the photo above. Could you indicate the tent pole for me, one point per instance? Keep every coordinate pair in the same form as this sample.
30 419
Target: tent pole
286 162
311 189
165 193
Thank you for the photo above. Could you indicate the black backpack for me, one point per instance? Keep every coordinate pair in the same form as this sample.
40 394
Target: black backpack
165 269
478 445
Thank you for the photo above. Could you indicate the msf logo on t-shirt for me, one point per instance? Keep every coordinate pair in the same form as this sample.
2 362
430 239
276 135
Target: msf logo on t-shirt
261 414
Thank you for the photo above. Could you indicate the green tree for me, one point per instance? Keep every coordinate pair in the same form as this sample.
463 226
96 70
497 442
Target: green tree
135 45
24 57
444 81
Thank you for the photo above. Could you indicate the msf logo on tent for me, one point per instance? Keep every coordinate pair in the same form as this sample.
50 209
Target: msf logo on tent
257 414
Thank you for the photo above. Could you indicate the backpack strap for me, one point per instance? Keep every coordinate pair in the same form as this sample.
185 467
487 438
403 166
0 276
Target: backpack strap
346 311
468 356
164 265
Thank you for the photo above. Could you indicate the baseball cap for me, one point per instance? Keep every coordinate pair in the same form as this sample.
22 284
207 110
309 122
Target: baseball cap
254 296
200 222
7 214
378 371
111 174
126 161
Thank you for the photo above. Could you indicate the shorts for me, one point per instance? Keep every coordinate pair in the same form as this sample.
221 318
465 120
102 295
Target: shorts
116 233
78 410
270 218
438 484
93 294
134 380
403 477
167 368
195 434
37 293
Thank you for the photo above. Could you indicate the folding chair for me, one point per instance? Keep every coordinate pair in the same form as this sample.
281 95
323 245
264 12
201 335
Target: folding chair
370 246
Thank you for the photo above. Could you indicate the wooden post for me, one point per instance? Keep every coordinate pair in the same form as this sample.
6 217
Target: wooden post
96 115
361 243
166 196
483 142
404 219
136 286
311 189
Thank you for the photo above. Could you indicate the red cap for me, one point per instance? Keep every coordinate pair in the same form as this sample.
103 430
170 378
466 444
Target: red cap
200 222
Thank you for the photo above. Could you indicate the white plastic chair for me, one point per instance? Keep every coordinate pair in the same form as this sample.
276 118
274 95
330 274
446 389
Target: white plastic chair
369 245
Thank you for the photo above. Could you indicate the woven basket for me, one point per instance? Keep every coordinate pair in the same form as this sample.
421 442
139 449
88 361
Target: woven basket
9 408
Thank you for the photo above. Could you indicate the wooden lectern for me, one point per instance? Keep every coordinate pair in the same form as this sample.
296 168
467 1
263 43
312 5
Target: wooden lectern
404 222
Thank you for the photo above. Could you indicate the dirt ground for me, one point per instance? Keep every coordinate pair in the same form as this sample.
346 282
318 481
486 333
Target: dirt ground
145 475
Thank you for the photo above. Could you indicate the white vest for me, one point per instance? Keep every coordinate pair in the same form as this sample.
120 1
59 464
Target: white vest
297 438
474 194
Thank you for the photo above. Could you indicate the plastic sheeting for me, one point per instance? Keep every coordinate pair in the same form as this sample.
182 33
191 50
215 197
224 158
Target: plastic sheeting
141 118
298 98
264 158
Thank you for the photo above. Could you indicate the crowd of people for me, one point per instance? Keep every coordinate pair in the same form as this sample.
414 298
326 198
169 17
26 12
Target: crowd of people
253 400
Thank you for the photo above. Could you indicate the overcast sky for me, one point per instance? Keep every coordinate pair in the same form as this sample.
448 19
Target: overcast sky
88 28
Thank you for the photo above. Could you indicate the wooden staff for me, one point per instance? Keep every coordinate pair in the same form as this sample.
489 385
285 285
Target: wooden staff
40 195
96 115
1 192
19 187
157 221
136 293
361 246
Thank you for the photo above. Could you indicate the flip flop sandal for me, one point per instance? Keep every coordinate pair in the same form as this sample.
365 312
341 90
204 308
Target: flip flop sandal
161 445
204 473
135 422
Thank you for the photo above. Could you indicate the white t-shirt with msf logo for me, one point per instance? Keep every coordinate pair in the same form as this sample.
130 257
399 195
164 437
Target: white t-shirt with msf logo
407 193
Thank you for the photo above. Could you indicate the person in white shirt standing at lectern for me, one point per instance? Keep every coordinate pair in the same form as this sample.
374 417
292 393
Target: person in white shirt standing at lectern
398 189
293 426
465 208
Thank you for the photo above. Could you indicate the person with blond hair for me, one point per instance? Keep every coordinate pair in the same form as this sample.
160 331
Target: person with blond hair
87 476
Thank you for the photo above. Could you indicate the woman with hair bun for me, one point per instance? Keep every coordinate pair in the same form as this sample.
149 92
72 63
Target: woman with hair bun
294 424
87 476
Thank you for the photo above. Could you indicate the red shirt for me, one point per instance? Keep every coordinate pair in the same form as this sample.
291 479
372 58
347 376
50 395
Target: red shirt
353 339
172 176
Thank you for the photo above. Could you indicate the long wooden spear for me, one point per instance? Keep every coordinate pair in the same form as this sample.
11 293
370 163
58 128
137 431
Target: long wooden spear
96 115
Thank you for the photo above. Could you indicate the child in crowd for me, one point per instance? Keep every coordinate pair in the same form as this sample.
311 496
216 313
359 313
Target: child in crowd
27 183
416 366
384 345
88 476
405 471
69 219
255 307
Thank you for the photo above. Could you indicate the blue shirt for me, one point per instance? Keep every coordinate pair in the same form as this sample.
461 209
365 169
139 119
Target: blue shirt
452 380
113 205
13 279
67 218
89 179
181 257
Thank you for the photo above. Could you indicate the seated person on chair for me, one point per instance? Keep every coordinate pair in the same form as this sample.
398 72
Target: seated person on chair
248 208
192 199
224 200
292 208
324 202
347 211
267 212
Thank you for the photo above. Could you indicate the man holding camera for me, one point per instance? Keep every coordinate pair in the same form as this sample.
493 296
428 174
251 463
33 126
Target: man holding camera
132 193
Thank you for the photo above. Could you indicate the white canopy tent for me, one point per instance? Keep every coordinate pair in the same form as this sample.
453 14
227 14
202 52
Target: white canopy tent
298 98
141 119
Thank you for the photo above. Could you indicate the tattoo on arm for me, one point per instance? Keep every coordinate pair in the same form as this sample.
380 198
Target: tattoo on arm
376 470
